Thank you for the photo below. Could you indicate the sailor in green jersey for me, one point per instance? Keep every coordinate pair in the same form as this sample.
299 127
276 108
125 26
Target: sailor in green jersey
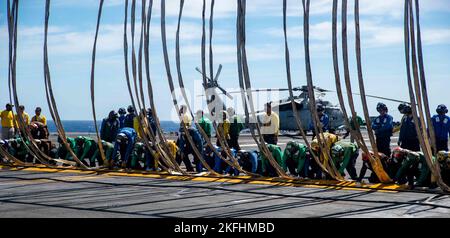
86 149
444 162
63 153
236 126
344 155
141 154
108 148
414 164
294 159
17 148
359 122
204 123
266 168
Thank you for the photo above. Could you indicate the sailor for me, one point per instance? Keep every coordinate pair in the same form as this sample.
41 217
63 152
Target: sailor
266 168
141 154
344 156
204 123
62 151
129 118
215 162
413 165
173 150
122 113
8 125
359 122
444 162
324 120
383 126
40 134
270 125
137 124
185 117
124 145
186 149
394 162
236 126
108 149
17 148
408 136
231 170
248 160
38 130
86 150
294 159
25 116
151 120
39 117
212 159
4 145
223 129
441 125
373 178
110 127
328 139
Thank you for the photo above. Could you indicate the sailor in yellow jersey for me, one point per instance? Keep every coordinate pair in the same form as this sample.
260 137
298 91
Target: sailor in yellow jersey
39 117
270 125
173 149
137 124
223 129
8 125
329 139
25 116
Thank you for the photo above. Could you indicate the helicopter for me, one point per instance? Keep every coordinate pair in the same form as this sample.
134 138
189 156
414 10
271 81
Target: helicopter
284 106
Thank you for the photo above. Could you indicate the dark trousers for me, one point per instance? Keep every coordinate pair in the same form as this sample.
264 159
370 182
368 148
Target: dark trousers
441 145
185 159
412 144
271 139
292 166
233 142
384 145
316 170
367 166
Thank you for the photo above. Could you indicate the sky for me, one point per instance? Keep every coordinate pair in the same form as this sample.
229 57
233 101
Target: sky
72 29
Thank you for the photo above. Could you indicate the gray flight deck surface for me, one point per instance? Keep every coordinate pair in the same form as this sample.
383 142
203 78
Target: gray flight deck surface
70 194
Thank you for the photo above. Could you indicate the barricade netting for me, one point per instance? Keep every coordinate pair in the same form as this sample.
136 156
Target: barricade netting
165 152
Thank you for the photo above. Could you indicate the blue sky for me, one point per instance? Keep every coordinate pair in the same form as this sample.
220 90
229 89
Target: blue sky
72 28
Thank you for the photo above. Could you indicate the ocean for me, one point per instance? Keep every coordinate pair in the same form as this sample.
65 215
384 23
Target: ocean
72 126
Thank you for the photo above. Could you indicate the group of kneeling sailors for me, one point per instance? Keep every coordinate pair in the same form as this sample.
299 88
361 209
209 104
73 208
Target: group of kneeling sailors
403 166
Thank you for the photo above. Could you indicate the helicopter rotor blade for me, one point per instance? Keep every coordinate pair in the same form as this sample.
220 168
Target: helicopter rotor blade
268 90
198 70
218 72
225 92
215 80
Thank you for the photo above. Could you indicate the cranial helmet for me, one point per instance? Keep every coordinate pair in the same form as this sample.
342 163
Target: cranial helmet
401 108
381 107
122 111
441 109
121 137
291 146
398 153
337 151
113 115
320 108
130 109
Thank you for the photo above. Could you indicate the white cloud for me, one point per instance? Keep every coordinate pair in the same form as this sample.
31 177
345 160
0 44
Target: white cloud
373 33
